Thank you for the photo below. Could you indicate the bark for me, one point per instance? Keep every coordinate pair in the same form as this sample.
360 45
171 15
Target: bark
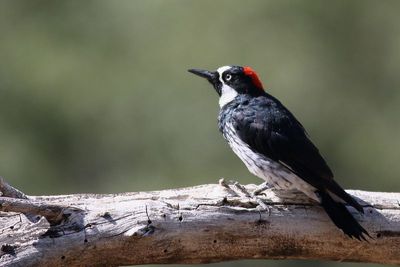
201 224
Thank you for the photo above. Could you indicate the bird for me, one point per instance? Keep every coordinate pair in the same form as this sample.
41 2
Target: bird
275 146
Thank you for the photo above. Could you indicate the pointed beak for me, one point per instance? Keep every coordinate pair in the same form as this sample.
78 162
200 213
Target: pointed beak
204 73
211 76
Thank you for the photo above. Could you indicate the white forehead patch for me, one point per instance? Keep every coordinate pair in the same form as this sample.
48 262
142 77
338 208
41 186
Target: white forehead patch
227 92
222 69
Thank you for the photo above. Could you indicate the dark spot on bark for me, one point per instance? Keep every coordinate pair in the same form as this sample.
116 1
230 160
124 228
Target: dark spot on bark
62 257
8 249
388 233
180 217
85 241
11 227
370 211
224 200
261 222
107 216
88 225
37 218
215 241
164 215
150 230
52 233
165 251
145 231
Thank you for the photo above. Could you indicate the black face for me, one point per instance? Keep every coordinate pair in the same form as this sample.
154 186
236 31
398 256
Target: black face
233 77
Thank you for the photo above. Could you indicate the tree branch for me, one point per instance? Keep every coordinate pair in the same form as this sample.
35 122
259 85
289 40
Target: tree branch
201 224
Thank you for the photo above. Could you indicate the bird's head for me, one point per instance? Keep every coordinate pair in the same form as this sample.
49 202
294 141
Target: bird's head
230 81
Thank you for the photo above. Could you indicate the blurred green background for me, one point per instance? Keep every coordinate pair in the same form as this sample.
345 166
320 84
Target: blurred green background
95 96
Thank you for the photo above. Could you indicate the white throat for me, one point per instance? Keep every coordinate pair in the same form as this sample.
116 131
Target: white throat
227 95
227 92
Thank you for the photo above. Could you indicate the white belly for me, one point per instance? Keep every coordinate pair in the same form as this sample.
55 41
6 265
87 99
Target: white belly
274 173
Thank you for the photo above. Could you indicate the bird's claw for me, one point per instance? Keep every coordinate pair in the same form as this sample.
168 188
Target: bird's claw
261 188
239 190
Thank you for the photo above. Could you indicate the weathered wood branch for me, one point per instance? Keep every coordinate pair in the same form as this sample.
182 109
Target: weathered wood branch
201 224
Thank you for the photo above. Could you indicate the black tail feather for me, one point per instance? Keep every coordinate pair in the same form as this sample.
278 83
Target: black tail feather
341 217
337 190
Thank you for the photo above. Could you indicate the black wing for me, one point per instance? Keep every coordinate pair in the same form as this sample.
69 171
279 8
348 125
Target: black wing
270 129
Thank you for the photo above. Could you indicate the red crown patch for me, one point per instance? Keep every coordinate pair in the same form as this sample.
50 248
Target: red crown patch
254 77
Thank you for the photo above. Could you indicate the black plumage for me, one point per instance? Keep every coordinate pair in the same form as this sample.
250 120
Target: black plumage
269 129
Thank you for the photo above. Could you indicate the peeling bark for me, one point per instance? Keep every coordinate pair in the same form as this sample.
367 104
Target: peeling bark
201 224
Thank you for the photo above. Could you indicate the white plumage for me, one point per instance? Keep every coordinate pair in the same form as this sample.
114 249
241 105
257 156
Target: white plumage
274 173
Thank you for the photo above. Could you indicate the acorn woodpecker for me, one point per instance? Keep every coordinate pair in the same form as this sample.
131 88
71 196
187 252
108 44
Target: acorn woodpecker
274 146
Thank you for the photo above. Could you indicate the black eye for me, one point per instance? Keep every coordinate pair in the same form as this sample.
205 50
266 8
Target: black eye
228 77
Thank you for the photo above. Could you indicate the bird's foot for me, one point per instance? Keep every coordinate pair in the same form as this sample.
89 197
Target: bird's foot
261 188
234 188
262 206
239 190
